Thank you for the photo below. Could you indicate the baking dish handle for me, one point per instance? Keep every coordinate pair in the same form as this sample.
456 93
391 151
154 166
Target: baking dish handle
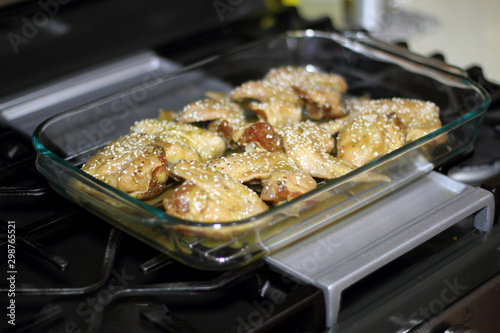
395 49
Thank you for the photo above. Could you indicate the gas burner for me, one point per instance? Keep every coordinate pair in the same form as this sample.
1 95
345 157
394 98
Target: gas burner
484 162
126 292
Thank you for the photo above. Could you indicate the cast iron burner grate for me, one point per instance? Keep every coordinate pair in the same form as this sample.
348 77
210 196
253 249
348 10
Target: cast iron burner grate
127 293
17 168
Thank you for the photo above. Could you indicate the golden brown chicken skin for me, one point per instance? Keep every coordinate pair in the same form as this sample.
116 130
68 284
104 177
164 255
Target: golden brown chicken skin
310 147
134 164
248 166
320 90
283 186
208 195
418 116
369 135
259 136
376 127
137 163
277 113
266 91
281 179
206 144
212 109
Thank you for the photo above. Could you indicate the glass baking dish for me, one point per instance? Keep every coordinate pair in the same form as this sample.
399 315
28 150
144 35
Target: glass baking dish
381 70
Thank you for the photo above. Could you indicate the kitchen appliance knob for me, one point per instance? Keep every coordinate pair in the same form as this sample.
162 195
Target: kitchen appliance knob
460 329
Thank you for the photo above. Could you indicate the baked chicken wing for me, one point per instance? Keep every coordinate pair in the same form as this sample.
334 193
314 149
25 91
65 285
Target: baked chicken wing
248 166
206 144
259 136
210 196
369 135
283 186
310 147
418 116
277 113
212 109
320 90
377 127
266 91
281 179
134 164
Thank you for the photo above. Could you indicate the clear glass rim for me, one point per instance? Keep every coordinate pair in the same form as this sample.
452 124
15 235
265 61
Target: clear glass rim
161 218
